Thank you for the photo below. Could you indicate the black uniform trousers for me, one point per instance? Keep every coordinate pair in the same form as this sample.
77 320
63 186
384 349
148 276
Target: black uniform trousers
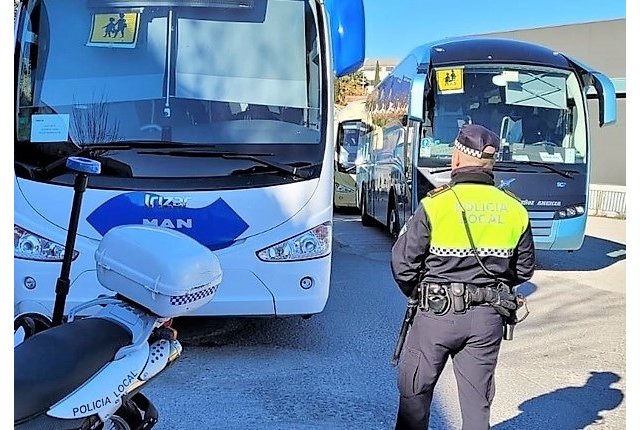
472 340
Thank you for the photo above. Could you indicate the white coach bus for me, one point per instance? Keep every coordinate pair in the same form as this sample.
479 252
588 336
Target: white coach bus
213 117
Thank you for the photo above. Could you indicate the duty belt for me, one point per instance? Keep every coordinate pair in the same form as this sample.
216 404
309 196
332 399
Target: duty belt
440 298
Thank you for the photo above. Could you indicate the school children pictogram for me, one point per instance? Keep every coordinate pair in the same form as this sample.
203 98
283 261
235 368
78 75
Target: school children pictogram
118 30
450 80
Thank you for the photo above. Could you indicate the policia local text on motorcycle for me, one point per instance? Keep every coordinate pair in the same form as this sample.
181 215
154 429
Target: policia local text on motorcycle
462 252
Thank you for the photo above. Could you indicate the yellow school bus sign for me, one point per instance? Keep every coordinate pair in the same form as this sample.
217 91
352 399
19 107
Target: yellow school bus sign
450 80
116 30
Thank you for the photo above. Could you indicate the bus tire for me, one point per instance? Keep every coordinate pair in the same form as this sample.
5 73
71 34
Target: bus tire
366 220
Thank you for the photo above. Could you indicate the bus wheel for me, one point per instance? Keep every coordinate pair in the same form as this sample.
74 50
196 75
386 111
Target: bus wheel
392 221
366 220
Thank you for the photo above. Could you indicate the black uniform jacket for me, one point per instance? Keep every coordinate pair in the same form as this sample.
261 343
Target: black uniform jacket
410 254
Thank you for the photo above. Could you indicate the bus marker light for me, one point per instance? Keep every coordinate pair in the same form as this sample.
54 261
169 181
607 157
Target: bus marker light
306 282
29 283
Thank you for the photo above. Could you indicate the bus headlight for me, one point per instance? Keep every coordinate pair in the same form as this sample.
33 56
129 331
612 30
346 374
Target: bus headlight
313 243
344 189
570 212
30 246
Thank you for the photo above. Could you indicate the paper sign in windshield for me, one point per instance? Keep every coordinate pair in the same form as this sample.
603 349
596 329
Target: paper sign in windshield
450 80
520 157
570 155
555 157
49 128
114 30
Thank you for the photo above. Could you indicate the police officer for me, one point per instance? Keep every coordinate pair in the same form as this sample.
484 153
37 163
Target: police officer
467 241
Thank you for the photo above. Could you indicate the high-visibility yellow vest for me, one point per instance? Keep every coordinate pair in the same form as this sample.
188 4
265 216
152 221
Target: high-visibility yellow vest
496 220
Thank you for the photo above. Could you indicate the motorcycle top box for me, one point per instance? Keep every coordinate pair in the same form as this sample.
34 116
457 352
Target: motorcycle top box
163 270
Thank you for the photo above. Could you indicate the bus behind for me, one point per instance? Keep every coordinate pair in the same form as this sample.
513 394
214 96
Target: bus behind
534 98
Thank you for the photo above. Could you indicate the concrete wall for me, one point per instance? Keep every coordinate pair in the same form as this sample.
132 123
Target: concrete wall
600 44
608 147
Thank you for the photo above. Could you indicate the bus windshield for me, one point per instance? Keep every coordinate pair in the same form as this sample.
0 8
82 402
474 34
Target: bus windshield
233 72
348 149
538 113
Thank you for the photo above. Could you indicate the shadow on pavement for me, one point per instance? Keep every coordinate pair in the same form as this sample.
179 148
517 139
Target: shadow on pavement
346 211
569 408
284 332
595 254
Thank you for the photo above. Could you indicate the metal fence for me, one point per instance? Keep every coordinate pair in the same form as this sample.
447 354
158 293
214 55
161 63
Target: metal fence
608 200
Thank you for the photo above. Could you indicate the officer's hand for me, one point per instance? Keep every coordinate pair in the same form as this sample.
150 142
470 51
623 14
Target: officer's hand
502 301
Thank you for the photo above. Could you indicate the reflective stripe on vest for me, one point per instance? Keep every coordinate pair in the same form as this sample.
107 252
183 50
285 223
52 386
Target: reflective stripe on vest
496 221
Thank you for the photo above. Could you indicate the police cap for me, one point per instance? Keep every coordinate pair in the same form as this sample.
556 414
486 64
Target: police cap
477 141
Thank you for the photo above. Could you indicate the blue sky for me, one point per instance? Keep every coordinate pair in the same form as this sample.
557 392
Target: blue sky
394 27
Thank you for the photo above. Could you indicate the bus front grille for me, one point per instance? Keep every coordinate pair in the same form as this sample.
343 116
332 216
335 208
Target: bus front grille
541 223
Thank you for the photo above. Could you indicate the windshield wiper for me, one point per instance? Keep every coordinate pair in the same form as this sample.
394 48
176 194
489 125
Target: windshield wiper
85 150
499 168
304 172
566 173
88 149
439 169
502 168
496 167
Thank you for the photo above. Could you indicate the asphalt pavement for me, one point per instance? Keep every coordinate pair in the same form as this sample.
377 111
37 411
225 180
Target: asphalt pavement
565 368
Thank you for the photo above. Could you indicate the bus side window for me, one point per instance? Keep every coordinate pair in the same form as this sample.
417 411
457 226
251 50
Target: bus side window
398 154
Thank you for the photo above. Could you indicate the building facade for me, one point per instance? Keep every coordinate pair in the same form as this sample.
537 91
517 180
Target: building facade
368 69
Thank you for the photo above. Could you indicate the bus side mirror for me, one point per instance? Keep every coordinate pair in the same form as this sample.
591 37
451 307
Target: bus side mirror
419 87
346 21
606 94
603 89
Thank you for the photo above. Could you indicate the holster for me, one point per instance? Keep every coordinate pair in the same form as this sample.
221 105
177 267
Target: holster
440 298
434 297
459 297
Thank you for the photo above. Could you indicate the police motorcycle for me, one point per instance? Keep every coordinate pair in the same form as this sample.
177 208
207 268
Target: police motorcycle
86 373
